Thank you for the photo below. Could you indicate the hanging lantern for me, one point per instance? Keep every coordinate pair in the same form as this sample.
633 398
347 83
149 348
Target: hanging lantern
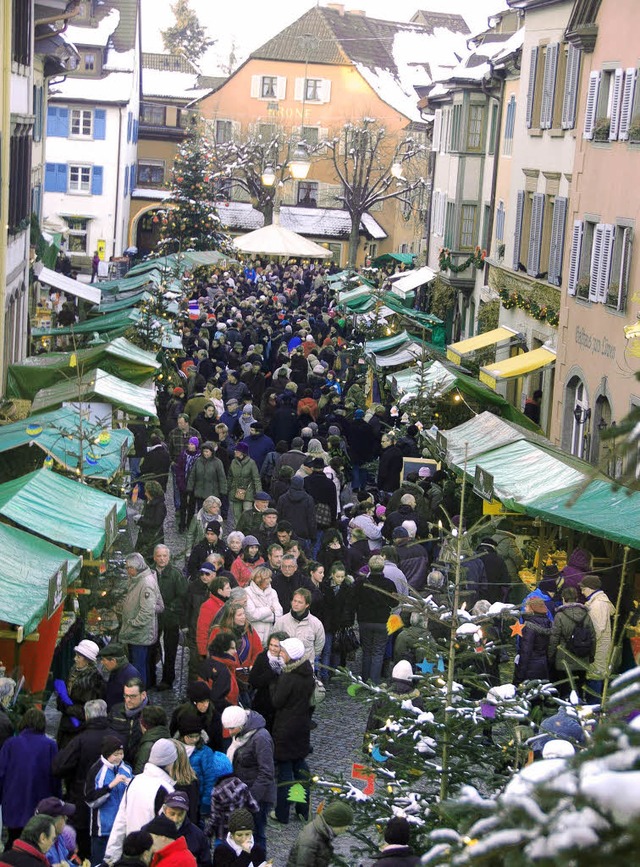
33 430
104 437
92 459
48 462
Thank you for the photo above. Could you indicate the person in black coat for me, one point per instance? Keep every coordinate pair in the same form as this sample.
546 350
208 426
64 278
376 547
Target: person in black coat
265 671
199 704
362 448
297 507
498 580
156 463
205 423
291 695
373 608
7 689
389 465
532 660
396 851
285 424
30 849
321 488
114 660
339 613
288 579
332 550
151 520
73 762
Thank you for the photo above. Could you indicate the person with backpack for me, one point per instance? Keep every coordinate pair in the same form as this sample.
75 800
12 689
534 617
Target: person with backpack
572 643
601 611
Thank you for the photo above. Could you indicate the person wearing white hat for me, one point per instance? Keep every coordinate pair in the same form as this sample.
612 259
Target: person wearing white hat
84 683
291 696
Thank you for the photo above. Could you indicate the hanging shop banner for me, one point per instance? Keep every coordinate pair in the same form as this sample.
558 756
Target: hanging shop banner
111 527
483 484
57 589
414 465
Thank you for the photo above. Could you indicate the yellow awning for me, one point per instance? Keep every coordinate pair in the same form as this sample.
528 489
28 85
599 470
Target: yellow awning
519 365
455 351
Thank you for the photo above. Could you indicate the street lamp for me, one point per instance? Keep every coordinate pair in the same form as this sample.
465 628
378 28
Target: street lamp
300 163
396 171
268 176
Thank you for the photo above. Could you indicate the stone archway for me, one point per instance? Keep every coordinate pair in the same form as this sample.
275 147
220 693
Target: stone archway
145 230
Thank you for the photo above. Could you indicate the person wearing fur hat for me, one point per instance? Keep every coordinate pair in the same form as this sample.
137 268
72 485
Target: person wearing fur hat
104 788
239 849
84 683
314 846
206 477
291 695
396 851
244 480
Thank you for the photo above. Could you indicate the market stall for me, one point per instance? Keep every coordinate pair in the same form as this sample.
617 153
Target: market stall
103 393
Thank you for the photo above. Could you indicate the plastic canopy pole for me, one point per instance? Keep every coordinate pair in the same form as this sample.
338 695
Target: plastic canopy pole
614 628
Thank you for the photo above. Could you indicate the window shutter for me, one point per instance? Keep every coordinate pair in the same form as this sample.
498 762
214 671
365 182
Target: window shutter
255 86
298 89
281 87
325 91
557 240
616 101
570 97
500 215
626 108
596 261
517 232
52 120
437 130
132 178
50 178
136 127
549 85
96 181
606 256
625 264
592 104
129 125
126 181
236 128
531 90
61 177
100 124
574 257
435 212
57 121
535 234
323 134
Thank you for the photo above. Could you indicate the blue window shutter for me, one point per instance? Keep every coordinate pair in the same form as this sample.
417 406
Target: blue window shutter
63 122
52 120
50 181
129 125
96 181
100 124
132 178
61 177
126 180
57 121
135 130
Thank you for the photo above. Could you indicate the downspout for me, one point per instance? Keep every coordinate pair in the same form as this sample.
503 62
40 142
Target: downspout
5 127
496 163
116 216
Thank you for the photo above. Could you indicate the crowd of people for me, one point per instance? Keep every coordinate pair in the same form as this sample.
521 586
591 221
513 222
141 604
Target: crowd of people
301 536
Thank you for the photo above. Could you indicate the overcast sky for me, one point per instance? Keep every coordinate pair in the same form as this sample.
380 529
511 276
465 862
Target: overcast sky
251 22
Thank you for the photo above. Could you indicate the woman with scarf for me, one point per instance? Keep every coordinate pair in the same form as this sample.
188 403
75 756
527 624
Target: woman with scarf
248 645
266 669
185 461
210 511
218 670
247 561
84 683
151 520
246 419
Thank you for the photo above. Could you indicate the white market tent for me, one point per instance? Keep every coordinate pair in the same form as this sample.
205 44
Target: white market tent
275 240
66 284
407 281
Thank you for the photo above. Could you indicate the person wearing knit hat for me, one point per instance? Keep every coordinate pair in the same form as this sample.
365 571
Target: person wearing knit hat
402 670
234 719
84 683
315 842
293 648
239 846
104 788
170 847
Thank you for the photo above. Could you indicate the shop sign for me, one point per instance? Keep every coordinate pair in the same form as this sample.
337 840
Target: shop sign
57 589
111 527
483 484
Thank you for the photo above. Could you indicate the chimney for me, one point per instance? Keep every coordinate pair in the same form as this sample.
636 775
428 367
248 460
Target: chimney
337 7
359 12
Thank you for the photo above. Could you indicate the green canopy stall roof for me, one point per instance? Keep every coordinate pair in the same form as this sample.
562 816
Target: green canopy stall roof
127 285
103 388
119 357
403 258
103 451
110 322
183 261
384 344
27 561
63 510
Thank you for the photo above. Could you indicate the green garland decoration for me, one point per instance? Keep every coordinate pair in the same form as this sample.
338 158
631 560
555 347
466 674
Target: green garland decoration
541 312
475 260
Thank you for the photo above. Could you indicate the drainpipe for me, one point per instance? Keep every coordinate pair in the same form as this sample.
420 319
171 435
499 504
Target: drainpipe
5 126
496 162
116 218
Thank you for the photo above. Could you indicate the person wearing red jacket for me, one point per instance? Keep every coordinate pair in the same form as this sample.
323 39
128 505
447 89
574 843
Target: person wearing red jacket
171 849
219 591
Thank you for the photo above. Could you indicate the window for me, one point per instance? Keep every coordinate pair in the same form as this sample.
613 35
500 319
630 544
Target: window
36 200
224 131
19 177
509 126
186 118
604 103
77 234
620 266
79 179
21 32
311 135
468 227
151 173
486 220
81 123
474 127
89 62
268 87
307 194
267 131
449 224
599 263
313 89
151 114
579 426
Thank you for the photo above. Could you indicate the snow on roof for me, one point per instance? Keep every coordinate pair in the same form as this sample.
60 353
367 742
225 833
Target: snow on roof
143 193
512 44
115 87
120 61
319 222
96 36
176 85
476 64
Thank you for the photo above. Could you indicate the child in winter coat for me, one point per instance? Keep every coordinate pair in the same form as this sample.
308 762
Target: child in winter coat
228 794
207 764
104 789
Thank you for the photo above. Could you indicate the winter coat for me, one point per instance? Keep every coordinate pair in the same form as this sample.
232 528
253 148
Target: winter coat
284 424
263 609
413 561
126 724
210 722
140 805
184 463
566 617
208 766
83 684
261 677
197 594
259 447
140 610
25 776
390 468
293 458
24 855
155 465
151 526
290 696
286 587
207 478
362 441
309 630
253 760
313 848
145 745
73 763
506 547
197 842
339 605
199 554
175 854
228 794
114 689
242 569
371 605
532 657
498 578
577 567
228 855
219 673
322 490
102 802
601 611
243 475
396 856
6 726
297 507
206 427
208 611
370 528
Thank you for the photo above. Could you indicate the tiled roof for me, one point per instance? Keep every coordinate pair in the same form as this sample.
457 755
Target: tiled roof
317 222
450 21
291 43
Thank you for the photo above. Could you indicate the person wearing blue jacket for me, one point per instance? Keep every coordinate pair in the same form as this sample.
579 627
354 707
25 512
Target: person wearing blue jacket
209 765
105 787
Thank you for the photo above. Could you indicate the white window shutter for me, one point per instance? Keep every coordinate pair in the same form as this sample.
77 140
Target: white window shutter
570 96
325 90
616 102
535 234
574 257
517 232
236 129
592 104
557 240
281 87
625 265
596 261
606 258
435 212
549 85
255 86
626 108
500 215
298 89
531 90
437 130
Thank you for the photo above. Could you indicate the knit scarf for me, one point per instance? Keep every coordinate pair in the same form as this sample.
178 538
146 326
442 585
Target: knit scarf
239 741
